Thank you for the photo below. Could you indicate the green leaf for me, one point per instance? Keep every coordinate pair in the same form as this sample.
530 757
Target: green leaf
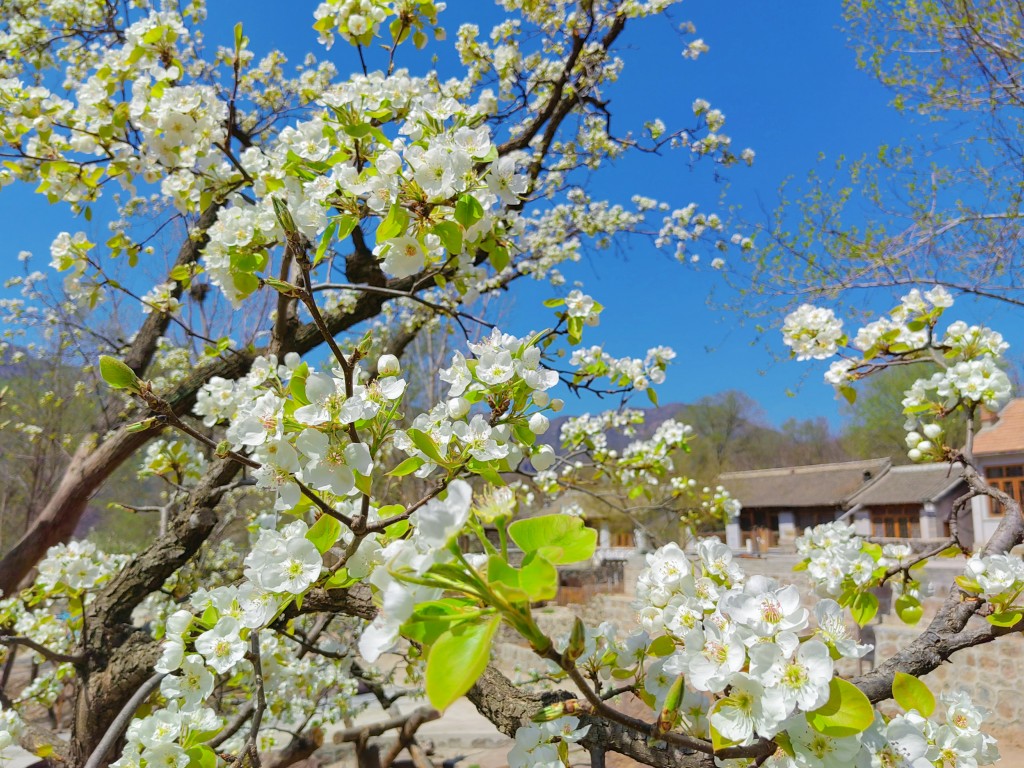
908 609
846 713
325 533
967 584
784 742
451 236
425 443
325 241
911 693
282 287
468 210
245 284
457 658
499 258
181 273
297 384
359 131
201 756
1004 618
393 224
864 607
538 578
118 375
238 37
505 579
552 303
346 224
575 327
662 645
340 580
524 434
652 396
560 539
407 467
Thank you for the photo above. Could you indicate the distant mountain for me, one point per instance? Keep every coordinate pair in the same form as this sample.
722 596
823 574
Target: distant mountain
23 367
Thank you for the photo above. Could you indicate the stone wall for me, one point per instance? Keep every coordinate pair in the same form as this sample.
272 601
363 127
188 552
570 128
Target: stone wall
991 674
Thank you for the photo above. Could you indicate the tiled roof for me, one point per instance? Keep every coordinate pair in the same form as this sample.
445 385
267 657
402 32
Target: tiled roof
914 484
817 485
1006 435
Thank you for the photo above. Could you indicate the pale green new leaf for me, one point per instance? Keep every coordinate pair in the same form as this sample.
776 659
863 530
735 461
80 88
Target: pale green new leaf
457 658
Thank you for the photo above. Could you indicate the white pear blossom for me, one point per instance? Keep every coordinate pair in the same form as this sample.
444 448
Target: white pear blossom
222 647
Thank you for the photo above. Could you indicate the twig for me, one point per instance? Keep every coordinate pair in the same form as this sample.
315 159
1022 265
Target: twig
42 650
407 733
426 714
251 745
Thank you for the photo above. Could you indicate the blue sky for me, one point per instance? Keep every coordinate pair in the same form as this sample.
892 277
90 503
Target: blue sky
787 82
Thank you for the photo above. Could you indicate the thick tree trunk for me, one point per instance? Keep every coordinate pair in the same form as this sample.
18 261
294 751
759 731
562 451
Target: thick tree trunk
90 468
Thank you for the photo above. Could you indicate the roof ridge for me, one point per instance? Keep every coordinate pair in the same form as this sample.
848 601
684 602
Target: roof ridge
810 467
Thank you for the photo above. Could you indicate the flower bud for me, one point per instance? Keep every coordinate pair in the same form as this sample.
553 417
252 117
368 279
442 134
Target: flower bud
458 407
577 642
388 365
539 423
931 431
669 713
914 454
913 438
557 404
541 399
543 458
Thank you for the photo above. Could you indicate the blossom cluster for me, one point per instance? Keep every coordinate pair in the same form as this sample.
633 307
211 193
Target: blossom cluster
836 559
76 567
538 745
639 373
999 580
50 613
813 333
749 645
639 468
705 502
164 737
504 369
175 460
736 639
972 371
11 727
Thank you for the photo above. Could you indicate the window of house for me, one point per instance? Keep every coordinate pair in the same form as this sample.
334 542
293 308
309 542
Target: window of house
902 521
1009 480
622 539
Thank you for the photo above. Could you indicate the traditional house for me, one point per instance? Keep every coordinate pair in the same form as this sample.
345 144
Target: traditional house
999 455
785 500
911 502
881 500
